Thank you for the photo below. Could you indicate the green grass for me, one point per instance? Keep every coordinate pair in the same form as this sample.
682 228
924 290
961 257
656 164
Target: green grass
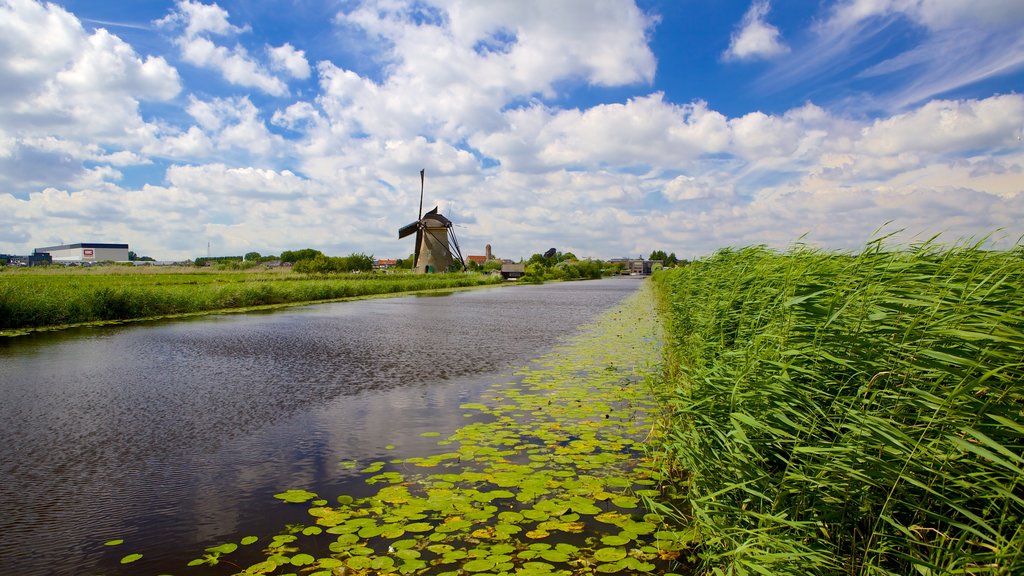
847 414
68 296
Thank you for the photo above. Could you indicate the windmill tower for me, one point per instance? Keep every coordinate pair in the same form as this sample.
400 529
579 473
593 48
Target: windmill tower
435 240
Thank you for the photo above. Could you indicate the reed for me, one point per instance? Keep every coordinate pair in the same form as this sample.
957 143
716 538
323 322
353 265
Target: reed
847 414
33 299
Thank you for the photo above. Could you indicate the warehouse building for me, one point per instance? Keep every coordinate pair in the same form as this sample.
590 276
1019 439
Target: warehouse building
85 253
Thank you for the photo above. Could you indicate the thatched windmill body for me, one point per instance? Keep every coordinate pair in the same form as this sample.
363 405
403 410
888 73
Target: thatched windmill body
437 249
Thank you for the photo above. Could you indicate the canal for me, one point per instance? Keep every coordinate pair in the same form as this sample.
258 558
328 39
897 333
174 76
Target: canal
175 435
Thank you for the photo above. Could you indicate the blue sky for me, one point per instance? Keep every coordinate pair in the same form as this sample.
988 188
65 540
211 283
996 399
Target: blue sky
602 127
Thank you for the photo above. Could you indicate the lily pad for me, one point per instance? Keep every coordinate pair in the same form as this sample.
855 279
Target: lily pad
478 565
610 554
295 496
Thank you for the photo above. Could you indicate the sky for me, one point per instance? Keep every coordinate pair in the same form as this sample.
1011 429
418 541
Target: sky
605 128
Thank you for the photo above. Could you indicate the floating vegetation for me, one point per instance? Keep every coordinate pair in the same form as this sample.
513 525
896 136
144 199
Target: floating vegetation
545 479
849 414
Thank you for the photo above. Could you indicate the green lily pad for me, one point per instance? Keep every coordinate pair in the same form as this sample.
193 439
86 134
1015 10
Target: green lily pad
615 540
224 548
626 502
610 554
478 565
358 562
130 558
295 496
554 556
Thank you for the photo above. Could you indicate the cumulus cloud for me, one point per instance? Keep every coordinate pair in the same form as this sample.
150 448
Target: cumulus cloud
68 96
235 124
199 18
199 21
755 37
287 58
234 64
459 64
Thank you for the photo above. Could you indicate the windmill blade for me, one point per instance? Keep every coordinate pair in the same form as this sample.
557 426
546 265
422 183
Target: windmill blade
408 229
423 172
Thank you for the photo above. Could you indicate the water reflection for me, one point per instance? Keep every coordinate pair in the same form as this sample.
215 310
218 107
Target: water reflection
175 435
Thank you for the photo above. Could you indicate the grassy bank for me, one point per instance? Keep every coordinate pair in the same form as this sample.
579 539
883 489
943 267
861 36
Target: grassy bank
848 414
58 297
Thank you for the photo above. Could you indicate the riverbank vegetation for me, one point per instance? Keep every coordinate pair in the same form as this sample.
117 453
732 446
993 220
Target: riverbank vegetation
847 414
59 296
553 266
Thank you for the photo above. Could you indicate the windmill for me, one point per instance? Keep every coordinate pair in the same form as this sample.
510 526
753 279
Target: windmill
436 245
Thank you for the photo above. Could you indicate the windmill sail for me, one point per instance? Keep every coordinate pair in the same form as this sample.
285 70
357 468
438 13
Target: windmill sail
435 239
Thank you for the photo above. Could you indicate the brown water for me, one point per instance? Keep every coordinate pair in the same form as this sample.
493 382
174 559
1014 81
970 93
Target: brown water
175 435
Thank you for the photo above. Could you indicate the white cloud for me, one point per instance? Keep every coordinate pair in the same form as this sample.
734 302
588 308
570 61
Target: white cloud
68 96
287 58
755 37
199 18
461 65
947 127
234 124
234 64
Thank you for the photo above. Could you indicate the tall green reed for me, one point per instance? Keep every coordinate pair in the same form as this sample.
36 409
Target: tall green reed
848 414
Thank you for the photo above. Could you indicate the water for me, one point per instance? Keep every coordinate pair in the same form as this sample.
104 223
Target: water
175 435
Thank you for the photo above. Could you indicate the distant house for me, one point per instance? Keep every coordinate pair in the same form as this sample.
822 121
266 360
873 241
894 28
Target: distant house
480 260
513 271
385 264
637 266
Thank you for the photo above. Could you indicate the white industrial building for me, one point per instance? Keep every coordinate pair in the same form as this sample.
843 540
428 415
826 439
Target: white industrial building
86 252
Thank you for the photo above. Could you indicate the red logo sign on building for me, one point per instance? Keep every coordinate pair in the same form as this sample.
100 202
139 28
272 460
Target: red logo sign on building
87 252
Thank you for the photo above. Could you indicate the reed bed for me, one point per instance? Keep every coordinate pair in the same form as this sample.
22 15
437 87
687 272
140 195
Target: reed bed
33 300
847 414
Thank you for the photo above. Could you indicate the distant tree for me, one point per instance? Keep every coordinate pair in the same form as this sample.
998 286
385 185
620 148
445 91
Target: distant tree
658 255
318 264
406 263
294 256
356 263
252 256
131 256
321 264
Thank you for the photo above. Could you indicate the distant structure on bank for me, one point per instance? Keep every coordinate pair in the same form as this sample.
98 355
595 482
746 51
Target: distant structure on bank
84 253
437 249
637 266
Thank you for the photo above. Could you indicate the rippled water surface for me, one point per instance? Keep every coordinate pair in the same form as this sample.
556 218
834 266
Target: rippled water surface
175 435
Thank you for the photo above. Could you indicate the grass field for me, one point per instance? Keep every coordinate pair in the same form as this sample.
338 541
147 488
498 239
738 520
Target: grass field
33 298
848 414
